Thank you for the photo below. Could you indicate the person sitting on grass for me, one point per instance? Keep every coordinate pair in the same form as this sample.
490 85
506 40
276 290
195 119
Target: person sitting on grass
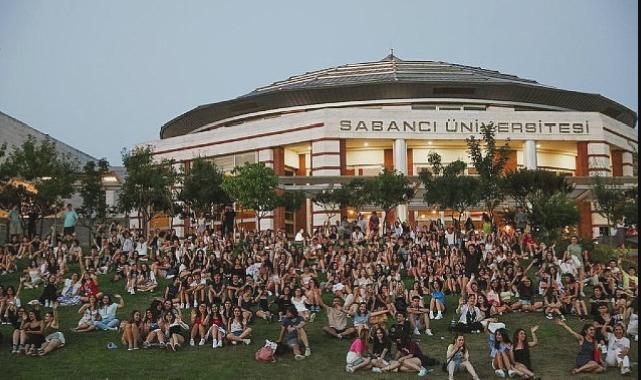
89 313
521 351
585 362
199 324
337 318
618 350
470 316
418 316
53 337
237 328
131 331
409 357
299 301
173 328
458 358
437 302
501 352
15 316
356 356
32 336
106 317
294 333
361 317
217 329
381 350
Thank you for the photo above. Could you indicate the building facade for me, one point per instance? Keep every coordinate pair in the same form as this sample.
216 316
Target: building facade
356 119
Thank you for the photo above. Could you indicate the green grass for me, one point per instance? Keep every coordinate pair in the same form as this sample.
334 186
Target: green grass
86 356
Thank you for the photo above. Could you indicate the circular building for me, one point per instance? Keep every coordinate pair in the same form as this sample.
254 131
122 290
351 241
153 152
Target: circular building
356 119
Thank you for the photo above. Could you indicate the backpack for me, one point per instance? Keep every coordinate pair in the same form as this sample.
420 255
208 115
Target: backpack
266 353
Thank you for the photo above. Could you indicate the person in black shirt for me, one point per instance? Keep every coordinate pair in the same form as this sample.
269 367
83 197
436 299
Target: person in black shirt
381 349
229 215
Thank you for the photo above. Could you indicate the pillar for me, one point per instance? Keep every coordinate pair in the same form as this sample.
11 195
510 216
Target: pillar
585 219
400 164
326 161
529 155
301 214
581 159
510 164
627 164
599 159
279 170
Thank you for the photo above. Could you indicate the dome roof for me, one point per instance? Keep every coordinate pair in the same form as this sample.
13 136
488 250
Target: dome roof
393 78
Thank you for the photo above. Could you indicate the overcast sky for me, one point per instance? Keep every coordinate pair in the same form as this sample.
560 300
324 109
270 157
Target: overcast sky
103 75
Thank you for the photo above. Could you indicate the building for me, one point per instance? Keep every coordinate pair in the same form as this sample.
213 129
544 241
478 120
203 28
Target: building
356 119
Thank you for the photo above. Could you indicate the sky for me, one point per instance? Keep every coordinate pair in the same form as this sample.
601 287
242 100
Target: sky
106 75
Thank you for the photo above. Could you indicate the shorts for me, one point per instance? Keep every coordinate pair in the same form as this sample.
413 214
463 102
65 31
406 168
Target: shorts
237 333
56 335
354 359
525 302
292 343
69 230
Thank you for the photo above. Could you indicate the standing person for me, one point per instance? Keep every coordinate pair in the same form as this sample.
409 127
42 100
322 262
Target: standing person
576 250
373 224
229 215
585 362
70 218
107 313
33 212
618 350
458 357
15 226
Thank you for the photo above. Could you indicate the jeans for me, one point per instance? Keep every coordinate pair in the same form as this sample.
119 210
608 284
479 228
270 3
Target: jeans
106 324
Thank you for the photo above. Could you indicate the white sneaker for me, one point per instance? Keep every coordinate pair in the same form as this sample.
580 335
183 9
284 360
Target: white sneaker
439 315
499 373
511 373
308 352
376 370
220 343
422 372
202 342
416 332
214 344
182 305
432 315
247 341
349 369
192 343
625 370
195 304
428 332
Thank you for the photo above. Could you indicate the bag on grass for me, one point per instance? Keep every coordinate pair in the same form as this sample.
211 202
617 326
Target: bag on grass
266 353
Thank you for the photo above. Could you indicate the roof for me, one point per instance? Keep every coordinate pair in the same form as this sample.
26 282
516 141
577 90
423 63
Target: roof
394 78
14 132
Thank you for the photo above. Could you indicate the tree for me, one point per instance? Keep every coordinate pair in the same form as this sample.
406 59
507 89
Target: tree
254 187
358 193
610 199
94 202
47 176
149 186
631 207
202 190
489 161
447 188
333 200
292 200
388 190
525 185
550 214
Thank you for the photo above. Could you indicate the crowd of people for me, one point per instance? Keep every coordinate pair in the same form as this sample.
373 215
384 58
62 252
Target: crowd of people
381 289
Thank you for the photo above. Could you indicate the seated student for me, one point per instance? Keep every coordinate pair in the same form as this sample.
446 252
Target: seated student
262 299
437 303
131 331
470 316
553 304
293 332
32 333
361 317
53 337
199 324
89 313
15 316
217 328
173 328
458 358
107 313
337 317
521 351
526 292
409 357
585 362
501 352
418 316
381 350
356 356
618 350
237 328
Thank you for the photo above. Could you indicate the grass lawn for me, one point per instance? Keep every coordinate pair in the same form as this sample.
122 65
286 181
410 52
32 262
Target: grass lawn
86 356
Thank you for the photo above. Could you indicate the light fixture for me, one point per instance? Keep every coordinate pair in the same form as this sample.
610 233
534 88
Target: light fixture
45 178
365 143
429 143
110 178
538 145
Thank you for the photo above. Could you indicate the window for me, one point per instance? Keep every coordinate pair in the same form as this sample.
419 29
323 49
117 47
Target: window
474 108
428 107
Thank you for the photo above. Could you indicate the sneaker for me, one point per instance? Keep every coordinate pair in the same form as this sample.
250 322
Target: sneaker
145 344
308 352
428 332
130 349
499 373
416 332
247 341
182 305
349 369
439 315
312 317
15 350
299 357
162 344
562 317
511 373
432 315
220 343
191 342
422 372
376 370
625 371
202 342
549 316
195 304
214 344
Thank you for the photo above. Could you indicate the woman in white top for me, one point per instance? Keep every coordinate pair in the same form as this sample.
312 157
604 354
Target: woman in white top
299 301
458 358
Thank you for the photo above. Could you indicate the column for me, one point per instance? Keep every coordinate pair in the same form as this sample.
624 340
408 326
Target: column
581 159
400 164
599 159
627 164
529 155
279 169
266 156
177 222
325 162
301 213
